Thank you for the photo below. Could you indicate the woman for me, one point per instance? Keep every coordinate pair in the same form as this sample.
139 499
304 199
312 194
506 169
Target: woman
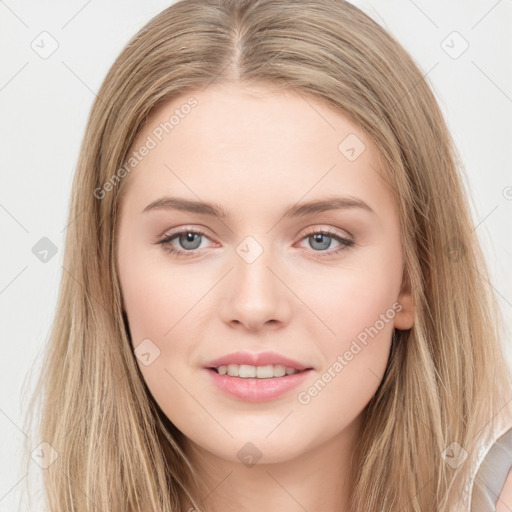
331 343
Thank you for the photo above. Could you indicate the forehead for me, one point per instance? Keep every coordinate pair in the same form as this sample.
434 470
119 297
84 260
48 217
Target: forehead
245 147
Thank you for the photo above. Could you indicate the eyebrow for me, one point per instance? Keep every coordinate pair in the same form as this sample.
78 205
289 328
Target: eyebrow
297 210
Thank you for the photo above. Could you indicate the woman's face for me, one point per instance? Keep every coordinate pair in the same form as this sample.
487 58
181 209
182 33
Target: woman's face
263 278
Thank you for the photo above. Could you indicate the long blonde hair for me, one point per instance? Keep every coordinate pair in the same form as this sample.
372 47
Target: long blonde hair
446 378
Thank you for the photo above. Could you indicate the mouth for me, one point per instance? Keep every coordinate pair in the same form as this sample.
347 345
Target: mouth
256 383
247 371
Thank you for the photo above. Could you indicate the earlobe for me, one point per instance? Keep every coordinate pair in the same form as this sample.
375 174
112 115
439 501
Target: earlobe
404 319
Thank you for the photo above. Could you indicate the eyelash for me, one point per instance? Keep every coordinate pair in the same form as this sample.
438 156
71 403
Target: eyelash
165 242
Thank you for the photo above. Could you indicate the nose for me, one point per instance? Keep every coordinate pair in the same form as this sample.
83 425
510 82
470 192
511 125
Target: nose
255 295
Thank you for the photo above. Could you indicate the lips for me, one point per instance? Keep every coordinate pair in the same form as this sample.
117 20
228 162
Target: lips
259 359
264 386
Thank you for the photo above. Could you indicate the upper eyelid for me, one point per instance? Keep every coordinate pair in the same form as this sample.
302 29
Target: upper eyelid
173 233
309 231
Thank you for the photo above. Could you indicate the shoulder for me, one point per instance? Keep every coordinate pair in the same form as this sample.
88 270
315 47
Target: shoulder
492 485
504 501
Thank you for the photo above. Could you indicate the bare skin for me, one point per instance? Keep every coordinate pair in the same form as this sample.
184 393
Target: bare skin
256 153
504 501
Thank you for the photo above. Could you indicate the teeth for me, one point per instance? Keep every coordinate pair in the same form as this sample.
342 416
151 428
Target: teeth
233 370
246 371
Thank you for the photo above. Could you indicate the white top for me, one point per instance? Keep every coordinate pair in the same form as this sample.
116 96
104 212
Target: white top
491 466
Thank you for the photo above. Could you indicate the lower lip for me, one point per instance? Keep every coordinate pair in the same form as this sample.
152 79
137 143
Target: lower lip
254 389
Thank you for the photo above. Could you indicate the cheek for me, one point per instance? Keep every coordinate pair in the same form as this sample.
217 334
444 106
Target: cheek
360 311
159 302
358 304
354 299
162 301
156 296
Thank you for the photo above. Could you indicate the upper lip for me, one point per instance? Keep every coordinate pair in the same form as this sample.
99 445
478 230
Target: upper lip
259 359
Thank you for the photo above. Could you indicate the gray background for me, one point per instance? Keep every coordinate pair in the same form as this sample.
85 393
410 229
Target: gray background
45 100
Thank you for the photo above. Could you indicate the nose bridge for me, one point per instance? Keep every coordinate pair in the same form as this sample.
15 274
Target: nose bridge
256 294
254 256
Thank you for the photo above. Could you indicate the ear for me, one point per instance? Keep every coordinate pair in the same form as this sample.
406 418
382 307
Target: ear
404 319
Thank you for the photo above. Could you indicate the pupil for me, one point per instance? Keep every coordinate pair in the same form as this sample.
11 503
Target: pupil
318 239
188 238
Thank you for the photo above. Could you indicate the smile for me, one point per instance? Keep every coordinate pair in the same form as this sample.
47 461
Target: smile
245 371
250 387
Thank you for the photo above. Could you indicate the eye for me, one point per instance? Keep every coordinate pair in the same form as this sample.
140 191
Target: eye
321 239
190 241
